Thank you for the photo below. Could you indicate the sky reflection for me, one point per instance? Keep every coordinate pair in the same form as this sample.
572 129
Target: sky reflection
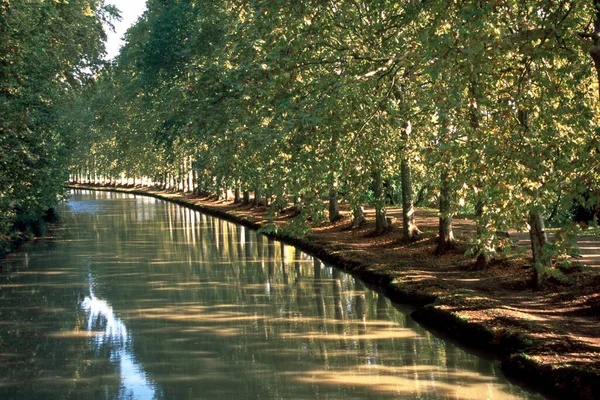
102 318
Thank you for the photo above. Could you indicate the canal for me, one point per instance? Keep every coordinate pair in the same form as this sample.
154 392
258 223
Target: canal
138 298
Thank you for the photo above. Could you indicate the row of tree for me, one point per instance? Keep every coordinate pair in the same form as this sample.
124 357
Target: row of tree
48 50
491 104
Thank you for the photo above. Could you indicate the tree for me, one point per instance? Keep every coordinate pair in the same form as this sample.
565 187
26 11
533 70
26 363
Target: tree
47 52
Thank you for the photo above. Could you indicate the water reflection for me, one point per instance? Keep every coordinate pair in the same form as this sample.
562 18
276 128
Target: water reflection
114 336
140 298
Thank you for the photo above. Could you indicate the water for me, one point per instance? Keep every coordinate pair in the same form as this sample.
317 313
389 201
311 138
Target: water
137 298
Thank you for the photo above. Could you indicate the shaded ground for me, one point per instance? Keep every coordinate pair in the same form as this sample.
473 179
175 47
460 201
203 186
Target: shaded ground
548 337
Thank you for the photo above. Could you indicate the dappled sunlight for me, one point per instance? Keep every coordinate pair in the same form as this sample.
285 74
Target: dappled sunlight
252 306
186 285
45 285
189 353
168 310
414 381
223 332
47 273
205 376
332 321
125 274
377 335
63 380
516 313
76 334
260 286
195 313
159 331
432 370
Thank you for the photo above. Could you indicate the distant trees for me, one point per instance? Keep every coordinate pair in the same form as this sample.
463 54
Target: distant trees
311 103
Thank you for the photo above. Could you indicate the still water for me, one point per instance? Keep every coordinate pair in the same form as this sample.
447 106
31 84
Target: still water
137 298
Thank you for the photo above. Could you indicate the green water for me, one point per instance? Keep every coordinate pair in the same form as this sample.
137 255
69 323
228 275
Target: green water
137 298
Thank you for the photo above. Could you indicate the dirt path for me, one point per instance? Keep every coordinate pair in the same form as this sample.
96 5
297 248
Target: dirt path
550 338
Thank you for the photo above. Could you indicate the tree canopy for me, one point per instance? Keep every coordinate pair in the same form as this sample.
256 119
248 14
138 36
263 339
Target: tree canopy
489 106
49 50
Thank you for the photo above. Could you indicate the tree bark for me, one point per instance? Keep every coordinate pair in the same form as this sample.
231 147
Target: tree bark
409 227
539 239
190 175
420 198
246 197
195 183
483 251
298 206
257 197
334 207
594 49
446 234
237 195
358 217
381 223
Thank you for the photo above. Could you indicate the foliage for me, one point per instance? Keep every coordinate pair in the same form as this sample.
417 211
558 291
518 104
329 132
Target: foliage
48 50
296 101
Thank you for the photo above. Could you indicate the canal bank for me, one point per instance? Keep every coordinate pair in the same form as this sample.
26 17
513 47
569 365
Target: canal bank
26 229
539 340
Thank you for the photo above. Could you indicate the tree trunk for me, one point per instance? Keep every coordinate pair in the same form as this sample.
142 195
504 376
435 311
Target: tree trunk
237 195
334 207
298 206
195 183
217 188
358 217
257 198
410 230
539 239
483 251
184 178
381 223
446 235
409 227
181 176
594 49
246 197
190 175
421 195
